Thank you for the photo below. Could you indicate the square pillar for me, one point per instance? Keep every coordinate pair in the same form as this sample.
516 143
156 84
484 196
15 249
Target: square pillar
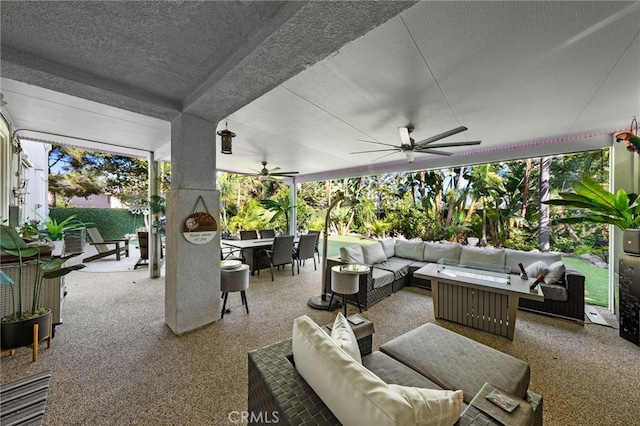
192 283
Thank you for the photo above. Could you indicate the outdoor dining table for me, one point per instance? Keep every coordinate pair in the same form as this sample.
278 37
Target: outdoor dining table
251 249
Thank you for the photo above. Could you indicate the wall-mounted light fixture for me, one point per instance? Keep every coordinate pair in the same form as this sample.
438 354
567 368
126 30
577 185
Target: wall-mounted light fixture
20 191
225 140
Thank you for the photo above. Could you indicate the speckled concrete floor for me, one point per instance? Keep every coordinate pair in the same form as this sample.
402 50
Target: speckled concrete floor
115 362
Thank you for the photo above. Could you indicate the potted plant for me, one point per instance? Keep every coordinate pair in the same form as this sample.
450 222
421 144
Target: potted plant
17 328
55 230
619 209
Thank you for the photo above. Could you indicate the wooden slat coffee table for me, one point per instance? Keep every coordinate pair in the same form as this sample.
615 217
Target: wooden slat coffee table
486 299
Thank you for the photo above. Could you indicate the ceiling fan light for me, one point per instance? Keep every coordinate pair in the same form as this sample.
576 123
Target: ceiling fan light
410 156
226 137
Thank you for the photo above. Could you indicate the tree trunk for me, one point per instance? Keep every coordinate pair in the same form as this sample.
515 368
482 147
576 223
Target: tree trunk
543 227
525 190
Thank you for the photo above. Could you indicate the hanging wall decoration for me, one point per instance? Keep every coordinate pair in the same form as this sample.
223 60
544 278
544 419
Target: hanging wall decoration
199 227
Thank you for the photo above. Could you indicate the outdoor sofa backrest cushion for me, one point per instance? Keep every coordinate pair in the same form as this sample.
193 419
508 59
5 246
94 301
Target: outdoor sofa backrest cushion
512 257
410 249
352 254
434 251
373 253
389 246
483 255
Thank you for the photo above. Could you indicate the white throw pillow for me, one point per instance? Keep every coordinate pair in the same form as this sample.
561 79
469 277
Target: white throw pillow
352 254
413 250
373 253
354 394
433 407
555 274
436 251
343 335
536 268
389 246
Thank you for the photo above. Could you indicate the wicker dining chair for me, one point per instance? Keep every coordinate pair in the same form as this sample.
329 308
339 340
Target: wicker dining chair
306 249
281 253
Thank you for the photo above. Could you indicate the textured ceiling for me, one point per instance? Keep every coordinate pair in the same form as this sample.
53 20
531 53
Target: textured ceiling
302 83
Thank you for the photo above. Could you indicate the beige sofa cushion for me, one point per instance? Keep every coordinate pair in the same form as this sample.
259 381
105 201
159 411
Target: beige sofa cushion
389 246
512 257
342 334
354 394
410 249
352 254
432 407
484 255
373 253
434 251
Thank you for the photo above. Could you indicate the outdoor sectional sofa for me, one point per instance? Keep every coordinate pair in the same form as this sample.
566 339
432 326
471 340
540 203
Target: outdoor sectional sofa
316 379
394 261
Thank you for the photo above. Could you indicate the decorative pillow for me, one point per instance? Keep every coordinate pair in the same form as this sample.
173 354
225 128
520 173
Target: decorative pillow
432 407
354 394
352 254
373 253
410 249
485 255
436 251
535 269
555 274
343 335
389 246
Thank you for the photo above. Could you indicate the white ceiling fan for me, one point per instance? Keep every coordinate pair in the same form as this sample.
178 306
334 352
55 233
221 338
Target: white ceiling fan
409 147
273 173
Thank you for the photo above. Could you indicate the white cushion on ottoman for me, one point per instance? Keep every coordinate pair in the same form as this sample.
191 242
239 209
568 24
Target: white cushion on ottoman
354 394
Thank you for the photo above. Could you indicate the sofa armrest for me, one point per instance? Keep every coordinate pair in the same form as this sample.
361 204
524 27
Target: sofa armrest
278 393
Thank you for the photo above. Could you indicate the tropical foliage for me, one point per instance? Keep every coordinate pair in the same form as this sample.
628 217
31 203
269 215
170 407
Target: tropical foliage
597 205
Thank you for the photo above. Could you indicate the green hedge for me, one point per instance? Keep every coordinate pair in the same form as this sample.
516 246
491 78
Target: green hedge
112 223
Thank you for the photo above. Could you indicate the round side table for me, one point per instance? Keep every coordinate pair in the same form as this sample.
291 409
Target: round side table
345 279
236 279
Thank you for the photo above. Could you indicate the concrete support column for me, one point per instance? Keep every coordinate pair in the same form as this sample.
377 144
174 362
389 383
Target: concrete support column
192 289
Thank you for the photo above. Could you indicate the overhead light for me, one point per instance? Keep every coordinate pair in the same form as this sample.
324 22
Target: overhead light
410 155
225 140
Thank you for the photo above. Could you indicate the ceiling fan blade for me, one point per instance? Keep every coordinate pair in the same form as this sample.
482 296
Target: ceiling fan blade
404 135
449 145
375 150
441 136
386 155
275 169
377 143
433 151
283 173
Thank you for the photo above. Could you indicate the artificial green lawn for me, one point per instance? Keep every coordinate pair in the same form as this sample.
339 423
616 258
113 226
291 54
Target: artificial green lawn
596 283
596 290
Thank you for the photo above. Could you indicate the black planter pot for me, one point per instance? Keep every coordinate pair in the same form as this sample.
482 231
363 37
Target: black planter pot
20 333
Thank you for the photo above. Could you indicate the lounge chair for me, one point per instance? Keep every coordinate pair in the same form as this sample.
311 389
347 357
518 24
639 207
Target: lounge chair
106 247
